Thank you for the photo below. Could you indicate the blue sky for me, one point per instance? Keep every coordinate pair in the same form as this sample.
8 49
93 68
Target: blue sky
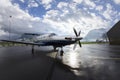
58 16
40 10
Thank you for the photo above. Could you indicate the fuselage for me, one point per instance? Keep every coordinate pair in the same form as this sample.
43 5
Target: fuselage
55 40
57 43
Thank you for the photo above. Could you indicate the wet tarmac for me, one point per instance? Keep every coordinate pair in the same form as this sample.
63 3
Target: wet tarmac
91 62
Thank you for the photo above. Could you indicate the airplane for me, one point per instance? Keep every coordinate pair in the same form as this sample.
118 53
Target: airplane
49 40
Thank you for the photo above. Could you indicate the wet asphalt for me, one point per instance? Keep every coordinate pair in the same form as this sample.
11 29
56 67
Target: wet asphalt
91 62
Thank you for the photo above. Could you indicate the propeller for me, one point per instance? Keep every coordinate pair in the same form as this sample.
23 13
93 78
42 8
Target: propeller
75 32
77 39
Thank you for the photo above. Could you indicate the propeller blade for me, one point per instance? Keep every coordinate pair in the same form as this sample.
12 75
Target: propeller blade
77 39
80 44
75 31
79 33
74 46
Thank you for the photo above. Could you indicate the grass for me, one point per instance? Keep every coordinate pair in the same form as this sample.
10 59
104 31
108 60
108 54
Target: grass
6 44
94 42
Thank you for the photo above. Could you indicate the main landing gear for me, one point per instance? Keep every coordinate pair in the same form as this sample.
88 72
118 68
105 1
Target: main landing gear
60 51
32 49
54 48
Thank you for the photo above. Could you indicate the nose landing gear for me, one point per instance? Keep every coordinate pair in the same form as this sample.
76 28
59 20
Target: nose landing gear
61 52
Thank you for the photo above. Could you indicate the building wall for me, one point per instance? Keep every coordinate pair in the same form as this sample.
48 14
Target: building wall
114 34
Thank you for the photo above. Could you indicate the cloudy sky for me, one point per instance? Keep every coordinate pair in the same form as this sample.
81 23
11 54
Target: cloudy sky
58 16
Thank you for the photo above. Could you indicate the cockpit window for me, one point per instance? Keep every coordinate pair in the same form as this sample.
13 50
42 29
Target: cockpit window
52 34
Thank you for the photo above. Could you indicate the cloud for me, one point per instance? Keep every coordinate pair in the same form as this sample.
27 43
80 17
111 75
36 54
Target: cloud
87 3
84 15
62 4
32 3
69 16
22 1
109 13
78 1
99 7
20 22
46 3
5 3
90 3
117 1
3 35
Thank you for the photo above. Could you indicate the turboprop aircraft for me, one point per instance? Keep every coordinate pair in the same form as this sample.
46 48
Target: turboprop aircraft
49 40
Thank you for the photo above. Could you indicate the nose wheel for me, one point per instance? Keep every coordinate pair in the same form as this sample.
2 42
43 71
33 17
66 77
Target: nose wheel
61 53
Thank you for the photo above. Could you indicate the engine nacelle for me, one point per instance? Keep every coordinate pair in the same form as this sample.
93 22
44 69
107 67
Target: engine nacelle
75 38
68 38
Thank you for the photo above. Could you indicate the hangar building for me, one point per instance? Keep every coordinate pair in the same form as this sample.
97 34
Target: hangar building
114 34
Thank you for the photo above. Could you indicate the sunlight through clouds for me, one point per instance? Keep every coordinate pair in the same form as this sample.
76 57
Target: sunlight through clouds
58 16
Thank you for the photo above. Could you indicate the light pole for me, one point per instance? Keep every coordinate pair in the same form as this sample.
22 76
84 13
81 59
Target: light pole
10 26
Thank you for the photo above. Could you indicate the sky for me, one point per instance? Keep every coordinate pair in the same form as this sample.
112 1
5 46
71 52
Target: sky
57 16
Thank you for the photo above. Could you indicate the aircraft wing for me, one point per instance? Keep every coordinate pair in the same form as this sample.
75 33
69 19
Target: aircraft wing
24 42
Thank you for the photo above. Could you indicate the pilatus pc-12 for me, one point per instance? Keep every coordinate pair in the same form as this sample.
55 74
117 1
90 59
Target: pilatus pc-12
49 40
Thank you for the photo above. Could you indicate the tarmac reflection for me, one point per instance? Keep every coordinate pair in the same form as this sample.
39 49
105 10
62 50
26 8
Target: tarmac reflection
91 62
94 61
